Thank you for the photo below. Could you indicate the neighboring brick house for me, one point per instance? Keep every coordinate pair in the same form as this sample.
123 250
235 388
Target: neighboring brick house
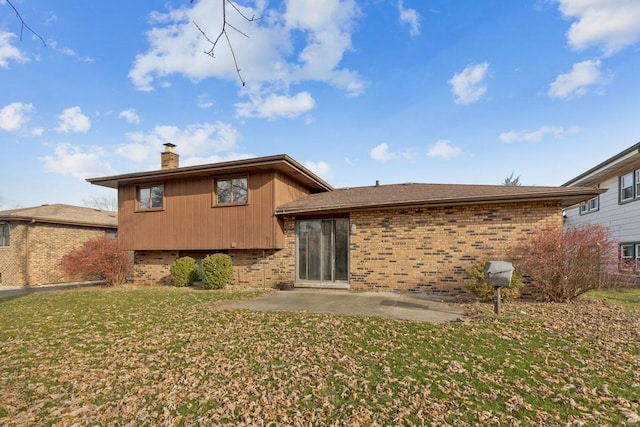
34 240
277 220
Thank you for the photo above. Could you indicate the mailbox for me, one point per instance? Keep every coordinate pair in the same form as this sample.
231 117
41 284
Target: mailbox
498 273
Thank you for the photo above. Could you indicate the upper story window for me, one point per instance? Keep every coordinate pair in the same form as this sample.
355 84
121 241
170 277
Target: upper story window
151 197
232 190
5 228
626 187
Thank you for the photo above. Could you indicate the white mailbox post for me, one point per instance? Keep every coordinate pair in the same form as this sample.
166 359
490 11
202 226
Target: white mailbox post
498 274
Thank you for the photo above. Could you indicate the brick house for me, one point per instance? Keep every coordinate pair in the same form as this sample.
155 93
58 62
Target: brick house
34 240
277 220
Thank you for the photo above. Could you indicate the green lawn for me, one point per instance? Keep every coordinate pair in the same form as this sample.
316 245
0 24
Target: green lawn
165 356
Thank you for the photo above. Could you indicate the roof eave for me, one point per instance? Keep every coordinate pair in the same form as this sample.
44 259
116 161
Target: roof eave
57 221
596 173
564 200
280 159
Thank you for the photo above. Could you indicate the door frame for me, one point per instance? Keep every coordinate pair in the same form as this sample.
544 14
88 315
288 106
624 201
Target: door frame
332 283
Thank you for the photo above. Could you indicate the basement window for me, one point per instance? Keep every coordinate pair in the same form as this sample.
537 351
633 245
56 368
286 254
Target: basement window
151 197
629 256
232 190
4 233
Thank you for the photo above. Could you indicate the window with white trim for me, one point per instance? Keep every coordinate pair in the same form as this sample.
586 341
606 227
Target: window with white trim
629 256
626 187
590 205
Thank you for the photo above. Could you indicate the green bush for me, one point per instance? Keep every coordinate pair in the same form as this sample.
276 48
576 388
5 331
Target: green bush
485 292
184 271
217 271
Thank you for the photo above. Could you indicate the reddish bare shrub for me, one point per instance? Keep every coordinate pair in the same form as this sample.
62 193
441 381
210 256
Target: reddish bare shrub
564 265
100 258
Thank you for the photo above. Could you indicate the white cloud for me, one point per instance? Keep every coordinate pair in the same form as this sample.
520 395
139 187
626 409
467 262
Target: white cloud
411 18
129 115
72 160
576 82
469 85
304 41
322 169
14 116
611 24
275 106
9 52
381 153
197 140
443 148
204 101
538 134
72 120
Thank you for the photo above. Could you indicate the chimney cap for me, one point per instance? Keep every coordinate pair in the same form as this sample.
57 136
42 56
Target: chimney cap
169 145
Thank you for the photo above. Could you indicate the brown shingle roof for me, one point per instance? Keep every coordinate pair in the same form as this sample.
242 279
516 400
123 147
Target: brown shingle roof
419 195
279 162
63 214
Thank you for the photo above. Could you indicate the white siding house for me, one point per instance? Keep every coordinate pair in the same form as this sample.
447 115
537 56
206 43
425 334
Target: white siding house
618 208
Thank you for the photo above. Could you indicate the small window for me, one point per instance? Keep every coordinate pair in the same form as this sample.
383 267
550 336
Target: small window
626 186
4 234
232 190
591 205
151 197
629 254
626 251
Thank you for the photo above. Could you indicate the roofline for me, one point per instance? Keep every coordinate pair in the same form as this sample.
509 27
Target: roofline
459 201
635 147
35 219
113 181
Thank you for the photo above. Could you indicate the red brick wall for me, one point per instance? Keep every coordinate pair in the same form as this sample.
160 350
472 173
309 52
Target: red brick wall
12 257
35 251
431 250
419 250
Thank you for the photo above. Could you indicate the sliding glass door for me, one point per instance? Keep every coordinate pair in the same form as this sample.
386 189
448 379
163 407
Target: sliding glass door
323 250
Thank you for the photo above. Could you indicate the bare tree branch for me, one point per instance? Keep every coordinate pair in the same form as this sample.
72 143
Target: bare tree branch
24 25
101 202
223 31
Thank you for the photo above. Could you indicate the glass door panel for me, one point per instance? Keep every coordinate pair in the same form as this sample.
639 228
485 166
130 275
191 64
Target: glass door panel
323 250
341 248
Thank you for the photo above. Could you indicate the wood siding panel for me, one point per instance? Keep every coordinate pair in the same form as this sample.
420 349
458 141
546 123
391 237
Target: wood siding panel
191 221
286 190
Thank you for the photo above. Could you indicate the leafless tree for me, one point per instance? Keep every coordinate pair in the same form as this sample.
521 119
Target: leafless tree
23 24
101 202
223 32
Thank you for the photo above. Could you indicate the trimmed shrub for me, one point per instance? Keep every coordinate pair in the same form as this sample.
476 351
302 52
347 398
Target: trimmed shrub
485 292
100 258
217 271
184 271
565 265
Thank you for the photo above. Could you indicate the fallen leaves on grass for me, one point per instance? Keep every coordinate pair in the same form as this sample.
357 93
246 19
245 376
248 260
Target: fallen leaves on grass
172 357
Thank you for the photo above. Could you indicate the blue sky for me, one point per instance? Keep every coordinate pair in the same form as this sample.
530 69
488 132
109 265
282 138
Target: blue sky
435 91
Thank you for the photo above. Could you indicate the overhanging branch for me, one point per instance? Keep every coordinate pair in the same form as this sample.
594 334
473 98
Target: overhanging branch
24 25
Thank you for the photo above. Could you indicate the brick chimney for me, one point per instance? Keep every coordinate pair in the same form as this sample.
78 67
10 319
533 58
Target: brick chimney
168 158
